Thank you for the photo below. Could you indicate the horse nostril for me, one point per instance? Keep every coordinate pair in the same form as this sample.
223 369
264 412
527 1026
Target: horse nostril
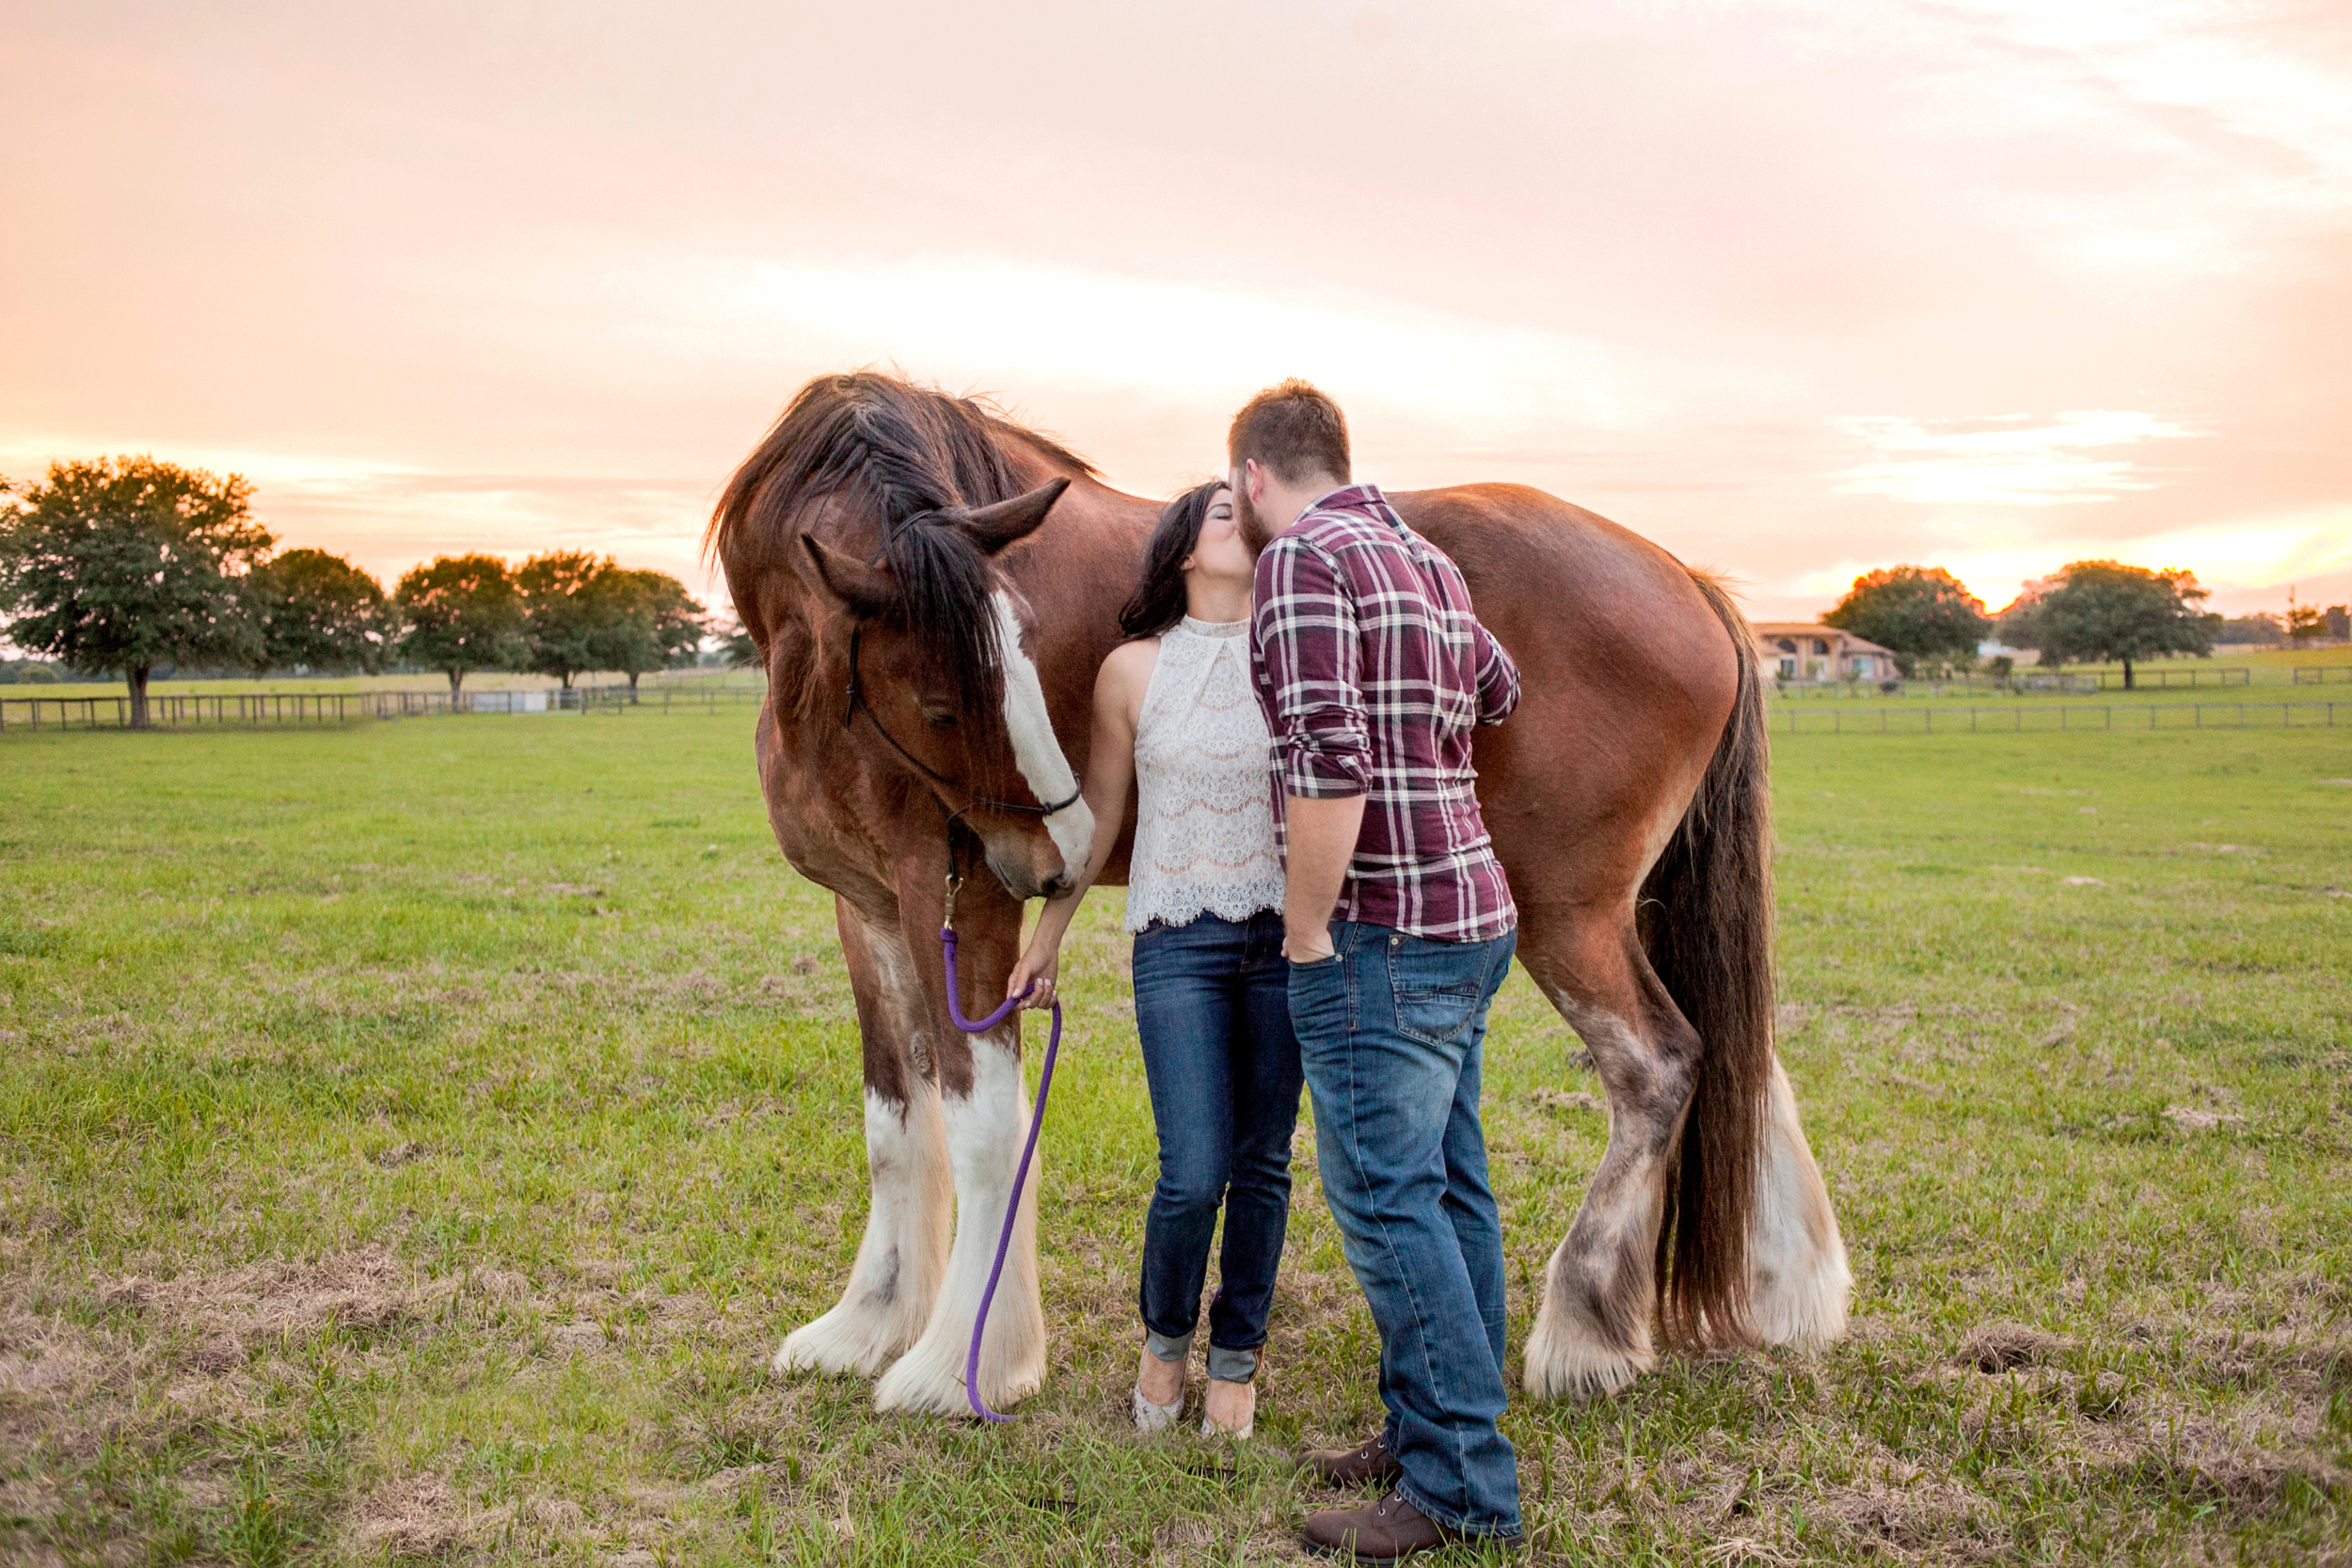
1054 886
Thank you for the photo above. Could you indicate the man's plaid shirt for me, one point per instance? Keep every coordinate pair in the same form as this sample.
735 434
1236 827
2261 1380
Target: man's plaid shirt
1372 669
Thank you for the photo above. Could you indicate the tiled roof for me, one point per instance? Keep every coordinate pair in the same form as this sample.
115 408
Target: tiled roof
1766 631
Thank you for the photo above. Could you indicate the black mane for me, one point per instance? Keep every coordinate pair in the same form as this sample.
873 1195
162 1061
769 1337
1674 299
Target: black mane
912 452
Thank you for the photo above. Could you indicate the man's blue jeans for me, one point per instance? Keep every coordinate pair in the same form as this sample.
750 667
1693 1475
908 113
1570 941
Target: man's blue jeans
1392 1030
1214 1017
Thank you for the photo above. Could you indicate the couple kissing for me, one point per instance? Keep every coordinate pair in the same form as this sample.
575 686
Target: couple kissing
1313 898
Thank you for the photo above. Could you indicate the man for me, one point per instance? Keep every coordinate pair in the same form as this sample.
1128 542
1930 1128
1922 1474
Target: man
1399 928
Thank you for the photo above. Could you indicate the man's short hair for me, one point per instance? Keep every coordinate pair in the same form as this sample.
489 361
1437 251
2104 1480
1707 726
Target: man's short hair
1293 430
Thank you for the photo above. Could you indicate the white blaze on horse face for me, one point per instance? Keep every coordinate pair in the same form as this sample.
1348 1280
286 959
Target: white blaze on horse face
1035 749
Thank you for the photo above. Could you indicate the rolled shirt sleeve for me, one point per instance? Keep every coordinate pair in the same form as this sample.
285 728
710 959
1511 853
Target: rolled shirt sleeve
1498 679
1306 636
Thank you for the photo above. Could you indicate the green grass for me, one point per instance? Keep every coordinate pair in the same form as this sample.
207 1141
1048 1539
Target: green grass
415 1138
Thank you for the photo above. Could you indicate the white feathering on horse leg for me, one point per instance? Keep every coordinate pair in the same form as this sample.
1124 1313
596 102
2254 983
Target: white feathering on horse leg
1607 1255
1034 749
984 1135
1798 1282
1567 1353
895 1281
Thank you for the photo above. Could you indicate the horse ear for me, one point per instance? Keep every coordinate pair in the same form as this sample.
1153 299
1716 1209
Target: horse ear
992 528
863 591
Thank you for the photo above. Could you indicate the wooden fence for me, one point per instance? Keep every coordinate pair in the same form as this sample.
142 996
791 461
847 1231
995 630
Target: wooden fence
2031 719
2040 682
338 707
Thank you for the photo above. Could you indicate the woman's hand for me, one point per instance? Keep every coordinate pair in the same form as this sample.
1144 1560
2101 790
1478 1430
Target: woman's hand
1032 978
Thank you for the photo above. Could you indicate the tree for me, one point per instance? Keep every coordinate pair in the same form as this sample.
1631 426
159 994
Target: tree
2102 611
2261 627
2304 622
1918 612
643 621
463 615
565 601
318 611
128 564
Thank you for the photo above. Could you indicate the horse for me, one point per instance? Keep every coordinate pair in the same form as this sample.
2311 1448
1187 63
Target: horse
931 586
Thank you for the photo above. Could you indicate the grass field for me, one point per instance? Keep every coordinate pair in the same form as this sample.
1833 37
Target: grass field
415 1138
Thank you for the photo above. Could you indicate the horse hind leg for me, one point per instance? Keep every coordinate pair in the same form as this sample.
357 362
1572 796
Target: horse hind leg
985 1128
1798 1282
895 1281
1592 1333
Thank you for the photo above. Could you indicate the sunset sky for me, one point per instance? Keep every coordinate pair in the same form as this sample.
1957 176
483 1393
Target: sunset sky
1796 289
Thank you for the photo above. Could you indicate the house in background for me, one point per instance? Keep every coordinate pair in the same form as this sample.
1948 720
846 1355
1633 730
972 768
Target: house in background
1804 651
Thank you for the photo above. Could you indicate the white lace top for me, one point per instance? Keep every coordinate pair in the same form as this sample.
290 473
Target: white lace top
1204 818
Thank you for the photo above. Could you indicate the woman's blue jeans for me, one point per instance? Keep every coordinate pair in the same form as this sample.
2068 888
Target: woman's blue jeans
1392 1030
1213 1010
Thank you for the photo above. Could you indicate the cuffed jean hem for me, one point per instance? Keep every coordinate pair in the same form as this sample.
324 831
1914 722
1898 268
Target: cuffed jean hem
1227 1364
1455 1522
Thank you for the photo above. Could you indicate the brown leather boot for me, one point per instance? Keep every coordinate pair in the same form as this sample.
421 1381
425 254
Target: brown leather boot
1366 1463
1389 1530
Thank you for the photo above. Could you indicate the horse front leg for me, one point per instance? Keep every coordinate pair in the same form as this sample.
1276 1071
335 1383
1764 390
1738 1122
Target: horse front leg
895 1282
985 1106
1591 1334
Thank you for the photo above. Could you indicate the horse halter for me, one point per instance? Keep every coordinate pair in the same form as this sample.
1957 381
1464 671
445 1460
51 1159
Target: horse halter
857 705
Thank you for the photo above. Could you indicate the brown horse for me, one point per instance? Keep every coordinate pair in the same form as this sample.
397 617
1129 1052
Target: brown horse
932 587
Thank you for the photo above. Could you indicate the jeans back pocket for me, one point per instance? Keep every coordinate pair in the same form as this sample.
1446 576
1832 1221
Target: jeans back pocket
1433 1010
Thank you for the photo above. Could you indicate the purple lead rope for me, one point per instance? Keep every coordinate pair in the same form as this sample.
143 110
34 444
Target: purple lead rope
1021 1177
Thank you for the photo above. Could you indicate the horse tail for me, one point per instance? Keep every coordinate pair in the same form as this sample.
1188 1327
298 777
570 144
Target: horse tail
1706 927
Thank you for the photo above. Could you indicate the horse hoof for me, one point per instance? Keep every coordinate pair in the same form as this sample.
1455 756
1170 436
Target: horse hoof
1567 1360
1585 1376
928 1380
840 1343
1806 1312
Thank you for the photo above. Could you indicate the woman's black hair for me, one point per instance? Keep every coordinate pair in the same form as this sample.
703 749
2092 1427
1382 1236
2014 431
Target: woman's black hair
1158 602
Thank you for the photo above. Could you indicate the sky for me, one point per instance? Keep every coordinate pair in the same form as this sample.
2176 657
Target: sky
1795 289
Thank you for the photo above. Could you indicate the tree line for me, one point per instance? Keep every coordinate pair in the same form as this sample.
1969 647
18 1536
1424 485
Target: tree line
2302 625
2087 612
131 564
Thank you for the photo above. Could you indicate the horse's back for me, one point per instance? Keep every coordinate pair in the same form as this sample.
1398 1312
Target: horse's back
1627 679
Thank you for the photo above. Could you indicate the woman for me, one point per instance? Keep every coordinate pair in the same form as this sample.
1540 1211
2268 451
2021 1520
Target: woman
1174 711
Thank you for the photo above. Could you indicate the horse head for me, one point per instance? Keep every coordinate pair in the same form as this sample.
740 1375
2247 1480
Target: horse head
941 687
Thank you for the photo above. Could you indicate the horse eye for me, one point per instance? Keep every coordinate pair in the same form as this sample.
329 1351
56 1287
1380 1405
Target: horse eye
939 718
